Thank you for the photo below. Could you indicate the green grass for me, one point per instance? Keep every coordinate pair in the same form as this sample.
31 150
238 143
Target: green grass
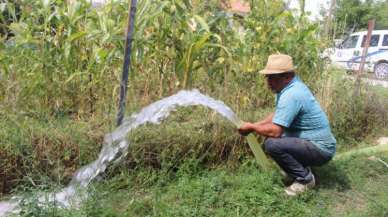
40 151
37 150
380 91
193 164
347 187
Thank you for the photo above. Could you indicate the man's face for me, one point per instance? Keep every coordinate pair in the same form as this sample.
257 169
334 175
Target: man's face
276 82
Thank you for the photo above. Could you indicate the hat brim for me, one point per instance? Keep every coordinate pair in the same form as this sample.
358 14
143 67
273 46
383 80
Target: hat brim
271 71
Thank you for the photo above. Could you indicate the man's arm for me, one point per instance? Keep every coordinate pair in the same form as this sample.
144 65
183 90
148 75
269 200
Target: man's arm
266 120
264 127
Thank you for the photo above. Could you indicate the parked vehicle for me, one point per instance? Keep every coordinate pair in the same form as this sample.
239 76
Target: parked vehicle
348 53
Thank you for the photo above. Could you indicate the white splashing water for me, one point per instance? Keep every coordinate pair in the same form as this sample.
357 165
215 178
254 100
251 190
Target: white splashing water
116 147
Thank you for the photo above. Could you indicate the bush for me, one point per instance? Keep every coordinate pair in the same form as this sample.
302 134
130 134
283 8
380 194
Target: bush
190 133
353 117
35 151
67 58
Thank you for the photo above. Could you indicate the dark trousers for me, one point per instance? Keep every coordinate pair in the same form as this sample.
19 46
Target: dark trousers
294 155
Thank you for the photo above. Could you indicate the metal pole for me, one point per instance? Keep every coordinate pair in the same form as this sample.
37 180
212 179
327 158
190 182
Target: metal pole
127 61
371 26
329 19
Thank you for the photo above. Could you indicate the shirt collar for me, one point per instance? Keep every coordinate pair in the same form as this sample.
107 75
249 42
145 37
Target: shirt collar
290 84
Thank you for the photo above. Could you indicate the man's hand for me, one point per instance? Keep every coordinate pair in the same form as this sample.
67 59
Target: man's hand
267 129
246 128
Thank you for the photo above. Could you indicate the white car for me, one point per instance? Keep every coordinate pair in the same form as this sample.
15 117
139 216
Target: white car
348 53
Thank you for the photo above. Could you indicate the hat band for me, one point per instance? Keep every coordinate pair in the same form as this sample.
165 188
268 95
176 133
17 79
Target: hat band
279 69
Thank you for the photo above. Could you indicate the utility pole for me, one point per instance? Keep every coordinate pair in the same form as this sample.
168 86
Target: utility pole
302 4
127 61
371 26
329 19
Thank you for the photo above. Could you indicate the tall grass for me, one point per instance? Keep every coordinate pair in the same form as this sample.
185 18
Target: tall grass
353 118
67 58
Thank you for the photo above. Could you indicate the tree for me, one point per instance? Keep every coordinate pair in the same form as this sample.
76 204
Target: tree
302 4
353 15
382 15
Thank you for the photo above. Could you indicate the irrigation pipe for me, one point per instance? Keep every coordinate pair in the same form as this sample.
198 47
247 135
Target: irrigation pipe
261 158
258 152
380 160
265 163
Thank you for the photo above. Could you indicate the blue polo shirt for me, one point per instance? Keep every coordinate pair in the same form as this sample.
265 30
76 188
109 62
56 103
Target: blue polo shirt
300 114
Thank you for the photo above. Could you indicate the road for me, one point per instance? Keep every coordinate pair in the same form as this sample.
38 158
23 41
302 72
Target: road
373 82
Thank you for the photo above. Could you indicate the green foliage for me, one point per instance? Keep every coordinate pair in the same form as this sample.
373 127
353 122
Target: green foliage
353 117
59 51
352 187
8 13
60 71
381 15
64 62
66 58
189 134
354 14
36 150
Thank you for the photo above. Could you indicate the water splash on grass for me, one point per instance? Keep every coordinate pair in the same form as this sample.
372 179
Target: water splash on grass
116 146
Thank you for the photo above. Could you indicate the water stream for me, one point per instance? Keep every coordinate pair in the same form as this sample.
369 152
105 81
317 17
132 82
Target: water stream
116 145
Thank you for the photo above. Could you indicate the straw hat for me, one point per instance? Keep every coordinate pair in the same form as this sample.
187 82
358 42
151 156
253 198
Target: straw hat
277 64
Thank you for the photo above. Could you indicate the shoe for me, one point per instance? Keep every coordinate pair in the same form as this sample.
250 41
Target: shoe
286 179
297 187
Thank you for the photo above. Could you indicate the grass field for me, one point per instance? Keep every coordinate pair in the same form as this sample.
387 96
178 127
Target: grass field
353 186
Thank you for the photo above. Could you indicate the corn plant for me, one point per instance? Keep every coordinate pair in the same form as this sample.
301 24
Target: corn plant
71 54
